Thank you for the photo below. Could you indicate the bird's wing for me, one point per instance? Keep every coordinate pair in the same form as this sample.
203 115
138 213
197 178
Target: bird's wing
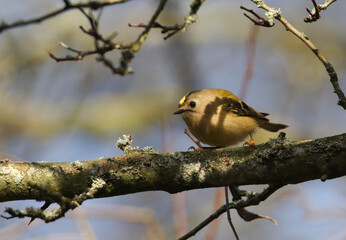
242 109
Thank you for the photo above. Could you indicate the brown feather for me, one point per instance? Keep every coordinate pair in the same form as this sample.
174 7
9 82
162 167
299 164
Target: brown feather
272 127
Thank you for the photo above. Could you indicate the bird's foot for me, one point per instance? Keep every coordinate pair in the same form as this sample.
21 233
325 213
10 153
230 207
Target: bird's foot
196 149
198 143
250 143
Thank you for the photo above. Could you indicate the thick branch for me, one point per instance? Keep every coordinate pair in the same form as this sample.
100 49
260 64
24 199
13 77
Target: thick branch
276 162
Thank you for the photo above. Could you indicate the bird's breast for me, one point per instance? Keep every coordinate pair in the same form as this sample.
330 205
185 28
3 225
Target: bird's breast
221 129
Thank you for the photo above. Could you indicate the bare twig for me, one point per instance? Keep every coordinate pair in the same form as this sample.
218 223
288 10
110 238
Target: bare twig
172 30
260 21
165 29
107 44
68 6
128 55
326 4
81 54
273 13
44 207
229 215
314 14
253 199
65 204
243 213
103 45
99 39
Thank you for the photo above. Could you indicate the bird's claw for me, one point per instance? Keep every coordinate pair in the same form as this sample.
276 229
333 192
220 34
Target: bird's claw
250 143
196 149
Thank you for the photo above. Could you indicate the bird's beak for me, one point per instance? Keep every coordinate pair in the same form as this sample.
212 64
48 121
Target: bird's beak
180 111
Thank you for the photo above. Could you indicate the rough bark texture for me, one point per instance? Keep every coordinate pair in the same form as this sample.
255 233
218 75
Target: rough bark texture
277 161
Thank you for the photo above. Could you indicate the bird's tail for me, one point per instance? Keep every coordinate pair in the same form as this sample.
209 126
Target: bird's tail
272 127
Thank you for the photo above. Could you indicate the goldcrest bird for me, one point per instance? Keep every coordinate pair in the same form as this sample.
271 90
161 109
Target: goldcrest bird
219 118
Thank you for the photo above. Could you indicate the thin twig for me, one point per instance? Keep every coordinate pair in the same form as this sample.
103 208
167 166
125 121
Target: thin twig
273 13
260 21
229 215
326 4
254 199
128 55
103 45
65 204
314 14
107 44
94 32
68 6
80 54
172 30
243 213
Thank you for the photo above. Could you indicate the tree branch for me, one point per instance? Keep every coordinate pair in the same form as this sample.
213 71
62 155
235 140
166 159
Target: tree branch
108 45
253 199
273 13
278 161
68 6
314 14
65 204
172 30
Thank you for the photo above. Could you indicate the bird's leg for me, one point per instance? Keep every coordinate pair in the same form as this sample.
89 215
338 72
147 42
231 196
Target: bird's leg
250 143
198 143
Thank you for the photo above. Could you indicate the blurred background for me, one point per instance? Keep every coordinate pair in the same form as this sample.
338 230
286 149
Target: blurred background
77 110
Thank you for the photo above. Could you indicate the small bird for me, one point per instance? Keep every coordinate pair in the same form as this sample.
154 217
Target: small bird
219 118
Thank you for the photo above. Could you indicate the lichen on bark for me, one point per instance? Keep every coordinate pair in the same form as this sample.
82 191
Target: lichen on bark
278 161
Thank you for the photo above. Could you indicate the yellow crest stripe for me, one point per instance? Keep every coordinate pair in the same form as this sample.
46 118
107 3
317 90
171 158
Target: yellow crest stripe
181 102
185 98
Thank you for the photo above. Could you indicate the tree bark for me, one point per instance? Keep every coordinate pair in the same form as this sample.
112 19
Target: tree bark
277 161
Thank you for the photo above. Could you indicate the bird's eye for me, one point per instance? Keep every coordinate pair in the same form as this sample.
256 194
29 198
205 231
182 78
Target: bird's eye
192 104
